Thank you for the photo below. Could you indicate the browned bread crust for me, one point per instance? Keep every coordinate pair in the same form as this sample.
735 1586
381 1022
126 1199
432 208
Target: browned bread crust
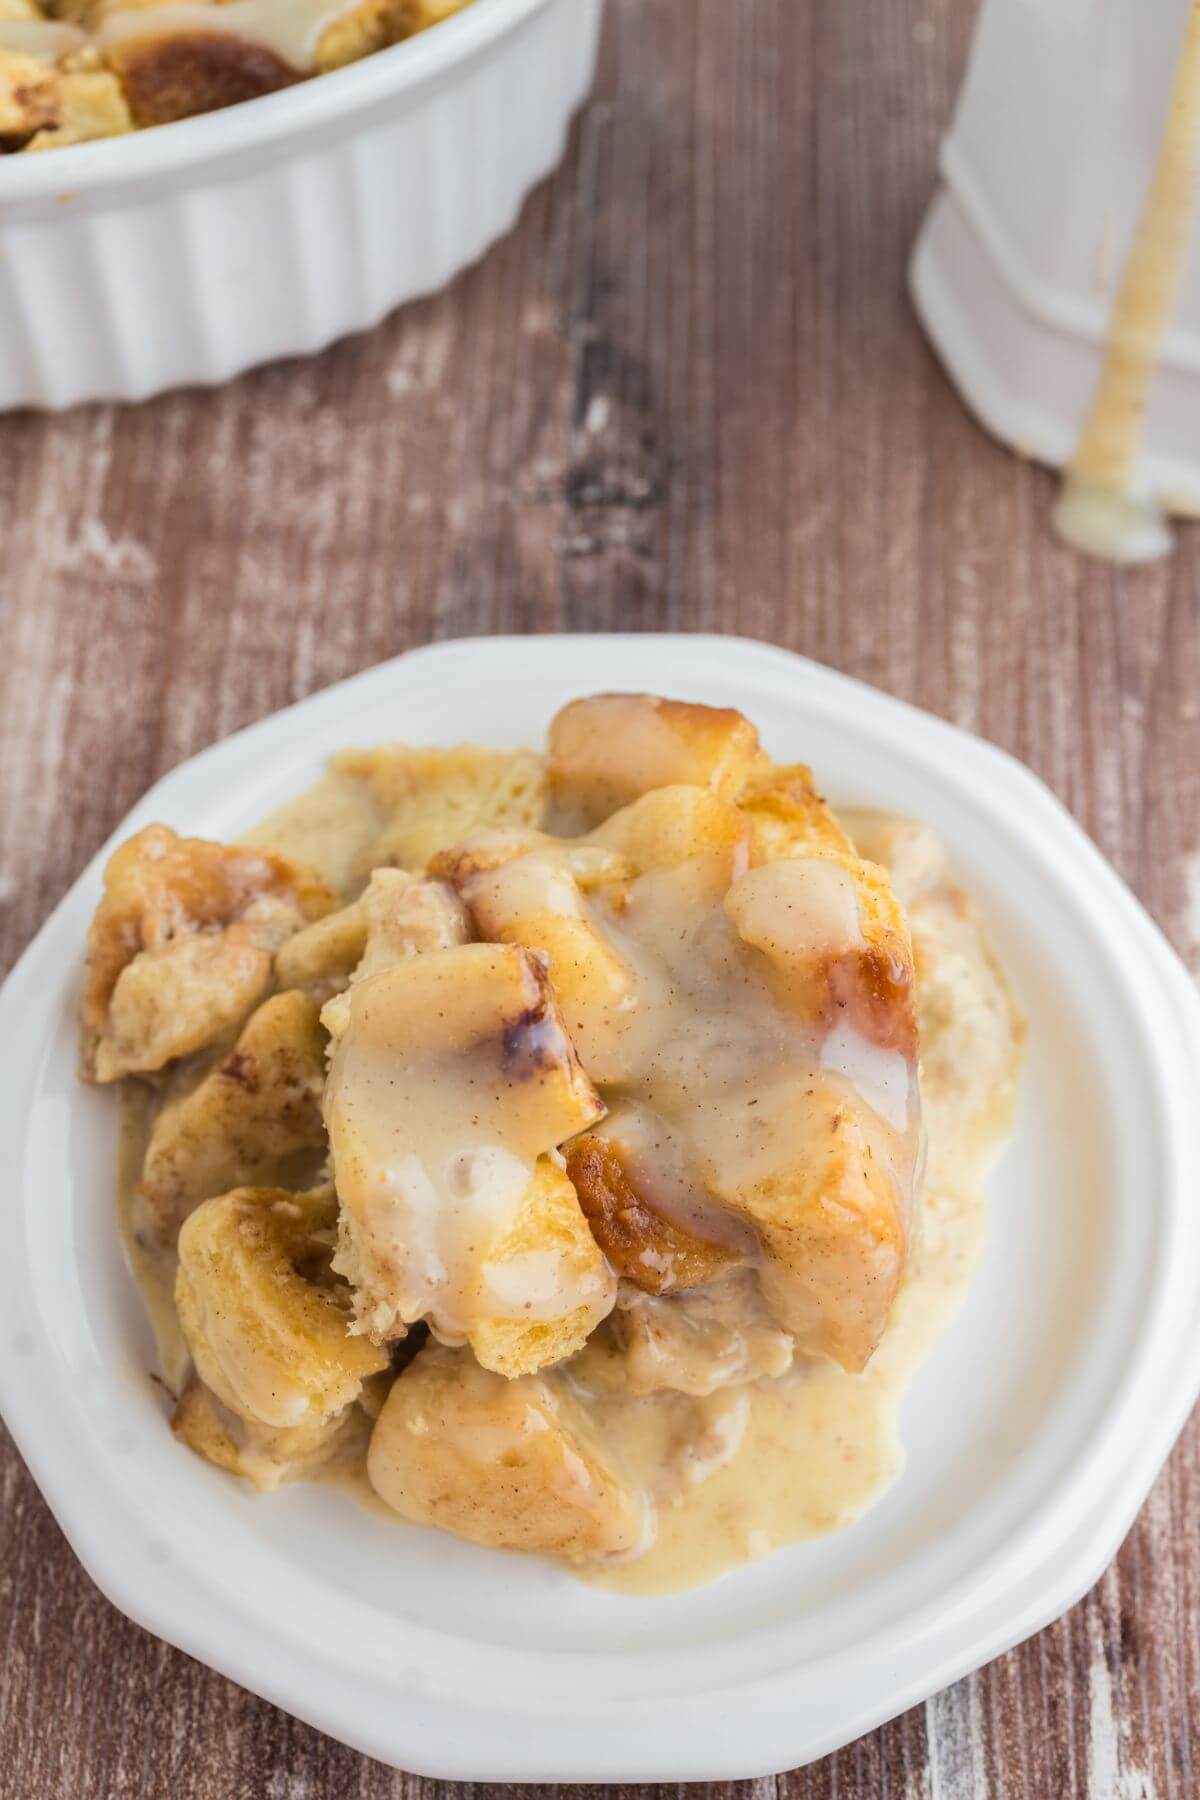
175 77
639 1243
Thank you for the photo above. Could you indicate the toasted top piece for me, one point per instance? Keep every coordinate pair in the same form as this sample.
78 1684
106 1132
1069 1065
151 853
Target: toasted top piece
787 815
640 1243
836 942
177 75
181 945
452 1078
431 799
606 750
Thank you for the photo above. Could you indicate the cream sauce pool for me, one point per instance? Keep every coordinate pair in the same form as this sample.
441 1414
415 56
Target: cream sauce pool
815 1446
746 1468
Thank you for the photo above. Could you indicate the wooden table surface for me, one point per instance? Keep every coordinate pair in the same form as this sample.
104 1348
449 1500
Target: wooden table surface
686 393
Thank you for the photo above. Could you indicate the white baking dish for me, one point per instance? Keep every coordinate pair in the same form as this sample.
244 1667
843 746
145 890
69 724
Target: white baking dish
1033 1432
192 251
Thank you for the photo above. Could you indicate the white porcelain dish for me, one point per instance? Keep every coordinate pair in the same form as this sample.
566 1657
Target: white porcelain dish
187 253
1033 1433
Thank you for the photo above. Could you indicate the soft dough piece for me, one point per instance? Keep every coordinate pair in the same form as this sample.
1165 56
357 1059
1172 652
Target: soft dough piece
546 1247
511 1464
322 957
402 916
971 1030
833 1223
837 943
268 1333
911 853
263 1455
181 945
451 1080
246 1123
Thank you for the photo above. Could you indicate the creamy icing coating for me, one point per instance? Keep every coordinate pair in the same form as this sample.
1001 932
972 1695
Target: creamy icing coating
703 1001
452 1078
718 1441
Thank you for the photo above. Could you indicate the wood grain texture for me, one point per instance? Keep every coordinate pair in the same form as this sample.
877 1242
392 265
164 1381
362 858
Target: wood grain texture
686 393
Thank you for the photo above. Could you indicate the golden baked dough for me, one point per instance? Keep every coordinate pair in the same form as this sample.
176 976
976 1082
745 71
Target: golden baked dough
374 24
91 105
181 946
264 1456
268 1328
671 825
434 798
321 958
247 1123
547 1224
787 814
512 1464
30 94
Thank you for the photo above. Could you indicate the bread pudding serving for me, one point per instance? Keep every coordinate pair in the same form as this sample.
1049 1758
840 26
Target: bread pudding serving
75 70
575 1152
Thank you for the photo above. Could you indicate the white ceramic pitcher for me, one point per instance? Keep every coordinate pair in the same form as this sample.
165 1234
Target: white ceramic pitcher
1045 170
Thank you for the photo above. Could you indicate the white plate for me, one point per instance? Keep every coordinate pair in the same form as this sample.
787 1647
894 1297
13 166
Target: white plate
1033 1433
